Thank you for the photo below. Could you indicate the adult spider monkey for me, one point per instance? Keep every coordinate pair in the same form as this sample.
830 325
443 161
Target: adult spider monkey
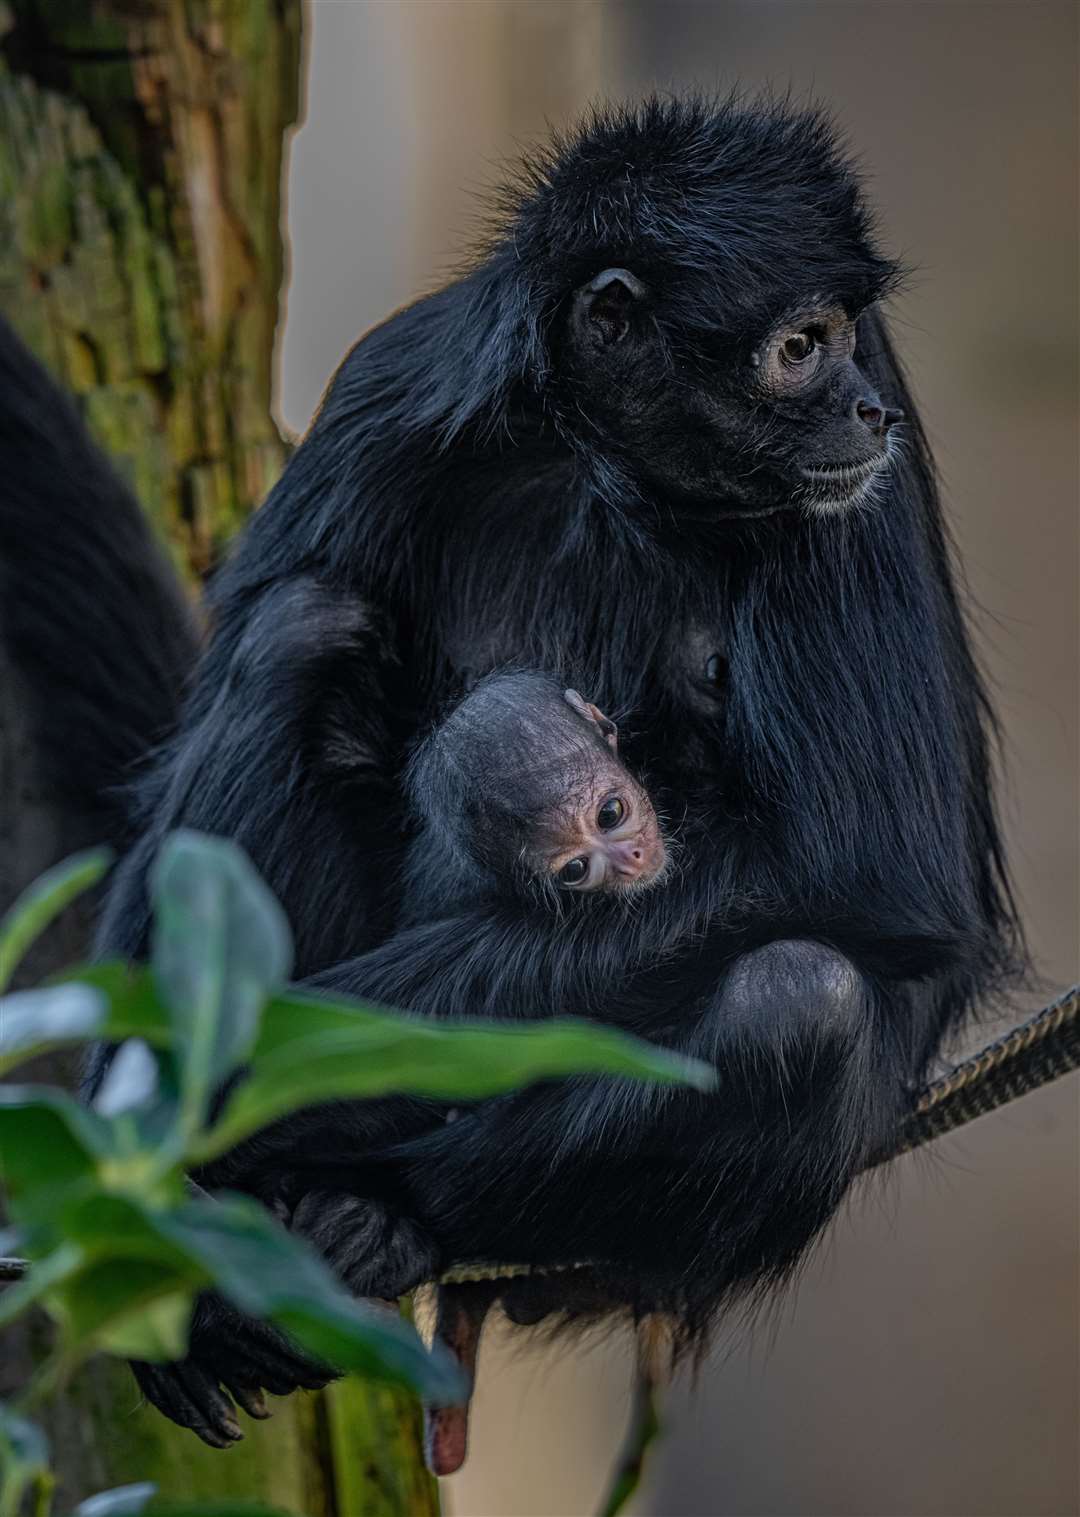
656 444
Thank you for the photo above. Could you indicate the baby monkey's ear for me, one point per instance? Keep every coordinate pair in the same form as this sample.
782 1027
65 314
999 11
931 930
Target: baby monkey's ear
608 730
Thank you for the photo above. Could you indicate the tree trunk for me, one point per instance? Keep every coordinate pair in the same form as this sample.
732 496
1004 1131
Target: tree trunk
140 246
141 258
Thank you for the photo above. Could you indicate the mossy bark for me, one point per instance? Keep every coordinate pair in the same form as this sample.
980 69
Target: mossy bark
141 258
141 255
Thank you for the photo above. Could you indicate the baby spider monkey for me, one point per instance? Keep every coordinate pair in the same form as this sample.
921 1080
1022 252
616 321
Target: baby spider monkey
521 789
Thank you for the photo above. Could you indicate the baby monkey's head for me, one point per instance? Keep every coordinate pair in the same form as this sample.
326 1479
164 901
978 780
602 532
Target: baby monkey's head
599 832
525 779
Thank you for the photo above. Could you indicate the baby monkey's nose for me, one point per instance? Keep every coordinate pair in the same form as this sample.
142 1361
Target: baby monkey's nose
627 858
636 859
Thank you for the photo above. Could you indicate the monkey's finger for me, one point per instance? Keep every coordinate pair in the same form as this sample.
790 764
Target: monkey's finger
249 1399
269 1361
187 1396
458 1324
234 1347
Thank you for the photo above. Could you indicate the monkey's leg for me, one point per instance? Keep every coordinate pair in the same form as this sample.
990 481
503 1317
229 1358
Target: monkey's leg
372 1248
703 1193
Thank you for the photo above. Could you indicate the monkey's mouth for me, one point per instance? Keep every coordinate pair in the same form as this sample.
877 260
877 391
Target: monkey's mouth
832 487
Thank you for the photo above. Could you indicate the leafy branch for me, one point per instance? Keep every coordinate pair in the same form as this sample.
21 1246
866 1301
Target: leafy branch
118 1247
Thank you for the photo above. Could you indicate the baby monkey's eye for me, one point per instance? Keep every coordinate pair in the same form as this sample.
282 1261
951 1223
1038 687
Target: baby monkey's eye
574 872
610 814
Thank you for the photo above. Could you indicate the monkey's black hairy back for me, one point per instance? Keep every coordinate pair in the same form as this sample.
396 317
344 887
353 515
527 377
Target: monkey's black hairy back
461 503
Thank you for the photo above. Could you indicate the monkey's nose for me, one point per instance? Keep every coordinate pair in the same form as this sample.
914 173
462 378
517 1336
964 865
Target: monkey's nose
627 858
635 860
877 417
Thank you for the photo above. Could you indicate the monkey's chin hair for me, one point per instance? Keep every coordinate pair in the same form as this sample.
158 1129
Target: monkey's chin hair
848 487
633 890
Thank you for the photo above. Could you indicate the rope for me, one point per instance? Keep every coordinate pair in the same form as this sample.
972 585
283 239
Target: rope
1040 1050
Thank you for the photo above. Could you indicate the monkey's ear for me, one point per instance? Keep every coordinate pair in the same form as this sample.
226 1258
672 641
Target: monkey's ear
607 728
603 308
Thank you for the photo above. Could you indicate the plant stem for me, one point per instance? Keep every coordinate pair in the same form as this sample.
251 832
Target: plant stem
642 1432
42 1490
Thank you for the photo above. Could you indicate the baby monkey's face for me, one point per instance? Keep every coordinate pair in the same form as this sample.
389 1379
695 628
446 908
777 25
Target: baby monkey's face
605 835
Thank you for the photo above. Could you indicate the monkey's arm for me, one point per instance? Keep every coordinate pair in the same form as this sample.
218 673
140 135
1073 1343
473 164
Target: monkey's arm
284 749
809 1083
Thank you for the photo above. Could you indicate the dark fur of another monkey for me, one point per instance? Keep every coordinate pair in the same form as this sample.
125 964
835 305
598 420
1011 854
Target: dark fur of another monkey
520 789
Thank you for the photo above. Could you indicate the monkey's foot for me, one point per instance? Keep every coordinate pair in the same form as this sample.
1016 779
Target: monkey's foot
231 1359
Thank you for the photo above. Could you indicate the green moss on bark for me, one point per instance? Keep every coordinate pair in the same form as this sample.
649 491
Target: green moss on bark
140 245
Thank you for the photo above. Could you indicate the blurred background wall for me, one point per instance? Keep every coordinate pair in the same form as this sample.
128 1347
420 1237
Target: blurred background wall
929 1362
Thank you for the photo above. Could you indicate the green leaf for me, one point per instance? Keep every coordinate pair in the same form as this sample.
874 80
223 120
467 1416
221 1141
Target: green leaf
113 1227
110 1002
134 1269
160 1331
135 1308
367 1053
44 1275
130 1500
33 1021
221 945
374 1343
122 1501
133 1008
44 900
219 1509
294 1013
47 1141
132 1289
267 1272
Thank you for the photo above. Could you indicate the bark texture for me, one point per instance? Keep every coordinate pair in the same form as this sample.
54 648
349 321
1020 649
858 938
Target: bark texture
141 148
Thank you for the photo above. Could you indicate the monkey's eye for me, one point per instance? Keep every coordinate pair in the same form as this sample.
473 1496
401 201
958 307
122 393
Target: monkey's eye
798 347
610 814
714 669
574 872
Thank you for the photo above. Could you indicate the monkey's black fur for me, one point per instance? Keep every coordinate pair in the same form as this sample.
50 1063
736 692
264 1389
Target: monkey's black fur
569 459
93 620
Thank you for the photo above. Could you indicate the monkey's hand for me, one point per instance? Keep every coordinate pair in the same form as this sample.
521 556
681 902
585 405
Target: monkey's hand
231 1358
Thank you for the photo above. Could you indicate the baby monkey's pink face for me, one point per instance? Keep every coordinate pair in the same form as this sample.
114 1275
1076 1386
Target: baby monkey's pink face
606 836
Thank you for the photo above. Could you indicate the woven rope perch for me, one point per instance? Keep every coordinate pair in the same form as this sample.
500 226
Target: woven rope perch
1030 1056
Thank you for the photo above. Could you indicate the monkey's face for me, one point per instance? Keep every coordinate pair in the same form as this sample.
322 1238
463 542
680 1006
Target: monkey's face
604 837
719 423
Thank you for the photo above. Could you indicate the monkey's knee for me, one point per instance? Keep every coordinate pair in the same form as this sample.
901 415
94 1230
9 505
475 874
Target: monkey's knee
794 986
372 1249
